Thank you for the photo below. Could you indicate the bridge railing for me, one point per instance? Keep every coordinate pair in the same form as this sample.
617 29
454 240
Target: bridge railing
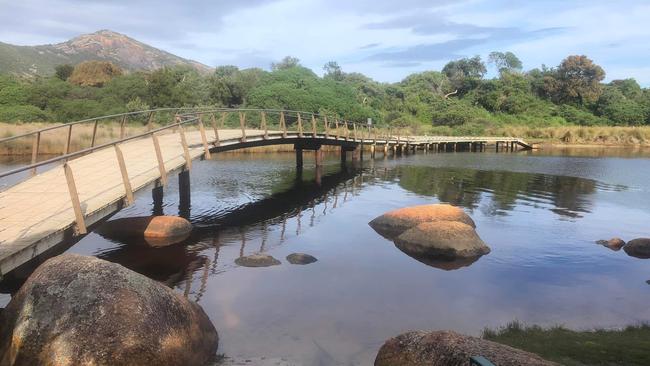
61 143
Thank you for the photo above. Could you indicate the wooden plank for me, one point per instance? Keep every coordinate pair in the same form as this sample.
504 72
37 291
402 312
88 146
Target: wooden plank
128 191
74 199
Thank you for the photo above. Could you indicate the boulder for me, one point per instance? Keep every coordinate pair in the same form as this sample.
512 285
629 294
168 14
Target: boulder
442 240
257 260
639 248
393 223
614 244
445 348
301 258
155 231
79 310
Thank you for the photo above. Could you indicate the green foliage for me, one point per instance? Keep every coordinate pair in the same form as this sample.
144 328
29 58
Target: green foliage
63 72
505 61
600 347
286 63
457 100
22 113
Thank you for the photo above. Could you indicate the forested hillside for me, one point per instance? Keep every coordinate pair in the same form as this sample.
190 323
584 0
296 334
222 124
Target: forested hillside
456 99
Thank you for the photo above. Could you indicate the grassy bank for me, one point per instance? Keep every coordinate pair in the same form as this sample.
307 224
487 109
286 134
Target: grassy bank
629 346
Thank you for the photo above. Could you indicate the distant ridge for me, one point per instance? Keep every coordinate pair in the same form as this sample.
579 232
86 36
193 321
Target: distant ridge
103 45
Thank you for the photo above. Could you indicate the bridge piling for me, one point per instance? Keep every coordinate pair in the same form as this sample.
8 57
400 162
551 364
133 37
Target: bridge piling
318 157
184 194
298 157
157 194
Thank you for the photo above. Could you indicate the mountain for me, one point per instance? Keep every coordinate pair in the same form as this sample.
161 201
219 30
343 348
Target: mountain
104 45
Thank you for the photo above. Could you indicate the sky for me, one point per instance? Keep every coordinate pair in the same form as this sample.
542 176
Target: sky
384 39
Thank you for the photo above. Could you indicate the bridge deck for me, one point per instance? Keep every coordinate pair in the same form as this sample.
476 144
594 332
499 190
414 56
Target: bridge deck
37 213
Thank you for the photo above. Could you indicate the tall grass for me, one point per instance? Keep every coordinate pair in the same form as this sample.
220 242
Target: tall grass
54 142
603 347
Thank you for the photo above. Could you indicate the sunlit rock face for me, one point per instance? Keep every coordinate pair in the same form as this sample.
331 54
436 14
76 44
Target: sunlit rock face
446 348
154 231
79 310
440 236
393 223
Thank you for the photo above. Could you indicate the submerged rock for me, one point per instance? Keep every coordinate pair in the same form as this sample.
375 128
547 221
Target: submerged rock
614 243
393 223
156 231
257 260
79 310
639 248
445 348
442 240
301 258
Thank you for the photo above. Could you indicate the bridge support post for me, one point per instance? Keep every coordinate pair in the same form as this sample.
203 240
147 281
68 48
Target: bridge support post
184 194
299 157
355 154
343 155
372 151
318 157
157 195
385 150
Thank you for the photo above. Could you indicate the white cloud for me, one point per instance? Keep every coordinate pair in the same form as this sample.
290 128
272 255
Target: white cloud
255 32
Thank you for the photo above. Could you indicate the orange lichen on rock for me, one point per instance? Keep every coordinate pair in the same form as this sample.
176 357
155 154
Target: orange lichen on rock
395 222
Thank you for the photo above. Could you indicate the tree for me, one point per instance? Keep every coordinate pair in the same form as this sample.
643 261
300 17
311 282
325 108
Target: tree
64 71
505 61
465 73
333 71
94 73
286 63
577 80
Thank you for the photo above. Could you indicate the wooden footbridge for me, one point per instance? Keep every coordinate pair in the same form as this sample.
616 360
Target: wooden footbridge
55 200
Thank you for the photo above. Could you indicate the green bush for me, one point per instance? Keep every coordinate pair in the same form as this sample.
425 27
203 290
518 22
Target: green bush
23 113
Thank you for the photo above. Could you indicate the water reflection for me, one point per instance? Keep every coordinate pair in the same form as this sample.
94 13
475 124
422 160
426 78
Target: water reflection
248 227
564 195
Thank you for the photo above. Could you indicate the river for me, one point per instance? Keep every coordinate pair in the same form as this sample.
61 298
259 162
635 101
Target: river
540 212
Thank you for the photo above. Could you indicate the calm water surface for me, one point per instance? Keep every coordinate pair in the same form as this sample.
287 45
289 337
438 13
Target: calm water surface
539 212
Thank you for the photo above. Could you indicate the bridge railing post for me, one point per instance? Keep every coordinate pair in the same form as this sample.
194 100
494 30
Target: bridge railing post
74 199
336 126
327 127
242 123
313 126
283 125
125 175
186 151
35 147
122 127
204 140
217 142
300 134
264 125
159 158
94 138
347 131
150 120
68 140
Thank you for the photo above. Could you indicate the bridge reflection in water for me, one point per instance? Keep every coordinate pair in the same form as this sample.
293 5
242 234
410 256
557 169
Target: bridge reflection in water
254 227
